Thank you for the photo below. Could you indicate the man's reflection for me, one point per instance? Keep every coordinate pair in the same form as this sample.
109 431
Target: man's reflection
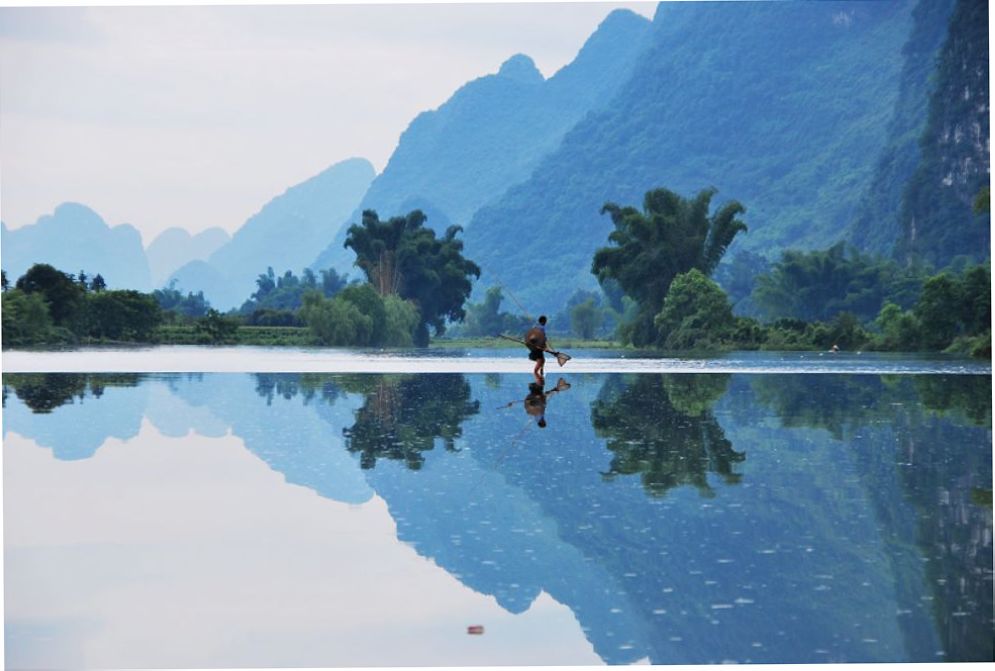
535 402
538 396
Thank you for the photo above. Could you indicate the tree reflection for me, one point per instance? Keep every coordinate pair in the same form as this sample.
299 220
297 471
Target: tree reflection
966 396
662 427
842 404
287 386
930 434
44 392
404 415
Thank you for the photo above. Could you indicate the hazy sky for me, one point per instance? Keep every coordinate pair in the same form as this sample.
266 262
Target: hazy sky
196 116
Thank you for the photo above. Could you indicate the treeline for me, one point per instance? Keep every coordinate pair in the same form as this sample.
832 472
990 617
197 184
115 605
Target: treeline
47 306
416 282
663 256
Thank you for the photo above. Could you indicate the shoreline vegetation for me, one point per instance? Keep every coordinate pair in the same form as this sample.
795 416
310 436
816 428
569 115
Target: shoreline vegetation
656 293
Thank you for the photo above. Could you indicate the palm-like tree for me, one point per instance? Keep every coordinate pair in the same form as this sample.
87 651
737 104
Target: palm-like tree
670 236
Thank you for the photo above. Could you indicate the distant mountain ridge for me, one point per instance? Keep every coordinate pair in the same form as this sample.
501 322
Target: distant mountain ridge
283 235
493 131
782 106
175 247
75 238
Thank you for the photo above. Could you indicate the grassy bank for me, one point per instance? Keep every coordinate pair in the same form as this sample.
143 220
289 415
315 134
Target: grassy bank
265 336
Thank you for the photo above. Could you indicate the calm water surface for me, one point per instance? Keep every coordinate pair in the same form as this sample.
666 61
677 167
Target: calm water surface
329 519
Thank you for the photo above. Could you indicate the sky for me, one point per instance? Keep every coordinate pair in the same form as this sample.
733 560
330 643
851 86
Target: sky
196 116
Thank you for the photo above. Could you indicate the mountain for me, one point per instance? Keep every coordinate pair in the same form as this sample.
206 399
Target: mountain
937 218
75 238
876 228
493 131
175 247
783 106
284 234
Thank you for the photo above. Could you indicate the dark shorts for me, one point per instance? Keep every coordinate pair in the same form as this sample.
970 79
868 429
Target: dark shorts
536 355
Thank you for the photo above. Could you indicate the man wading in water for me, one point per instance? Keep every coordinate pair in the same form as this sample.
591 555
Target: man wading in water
535 340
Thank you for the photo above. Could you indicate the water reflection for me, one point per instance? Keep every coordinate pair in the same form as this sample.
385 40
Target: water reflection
537 398
403 415
859 529
662 428
43 393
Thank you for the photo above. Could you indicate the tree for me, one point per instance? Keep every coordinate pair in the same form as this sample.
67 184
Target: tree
122 315
585 318
402 257
335 321
83 281
171 300
4 283
98 283
64 297
217 328
819 284
696 313
486 319
899 329
649 249
937 311
371 305
25 319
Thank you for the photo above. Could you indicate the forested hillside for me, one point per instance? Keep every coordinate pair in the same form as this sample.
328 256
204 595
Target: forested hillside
937 217
784 107
493 132
876 227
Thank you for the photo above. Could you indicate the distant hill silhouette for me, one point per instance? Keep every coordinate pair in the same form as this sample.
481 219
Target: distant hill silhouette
175 247
284 234
75 238
493 131
782 106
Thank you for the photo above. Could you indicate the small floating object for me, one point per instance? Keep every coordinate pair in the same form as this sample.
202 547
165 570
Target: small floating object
475 629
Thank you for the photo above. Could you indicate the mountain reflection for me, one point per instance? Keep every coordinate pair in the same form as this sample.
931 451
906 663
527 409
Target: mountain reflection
864 513
662 428
403 416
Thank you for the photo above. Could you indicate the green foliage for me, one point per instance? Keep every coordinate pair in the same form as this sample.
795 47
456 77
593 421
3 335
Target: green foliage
899 329
585 318
486 318
26 320
983 201
279 295
402 320
401 256
191 305
334 321
875 227
777 104
737 278
818 285
63 296
670 236
696 314
216 328
369 304
122 315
